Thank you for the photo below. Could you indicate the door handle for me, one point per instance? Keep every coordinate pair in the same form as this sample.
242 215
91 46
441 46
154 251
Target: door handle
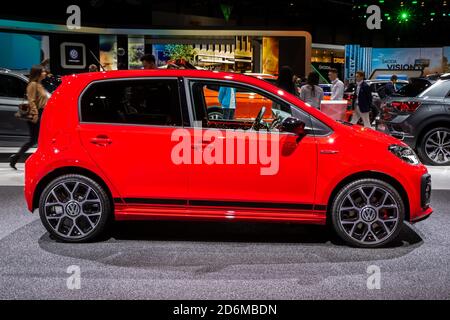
199 146
101 141
202 145
329 152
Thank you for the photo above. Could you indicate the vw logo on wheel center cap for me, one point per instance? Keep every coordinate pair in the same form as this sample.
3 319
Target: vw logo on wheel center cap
73 209
369 214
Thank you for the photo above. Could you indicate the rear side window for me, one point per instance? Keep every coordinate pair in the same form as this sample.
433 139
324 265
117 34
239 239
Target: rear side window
439 90
141 102
12 87
414 88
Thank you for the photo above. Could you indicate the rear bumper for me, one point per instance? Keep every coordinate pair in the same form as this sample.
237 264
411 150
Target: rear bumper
30 182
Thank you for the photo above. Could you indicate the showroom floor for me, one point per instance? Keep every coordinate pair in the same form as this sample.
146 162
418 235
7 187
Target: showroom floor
175 260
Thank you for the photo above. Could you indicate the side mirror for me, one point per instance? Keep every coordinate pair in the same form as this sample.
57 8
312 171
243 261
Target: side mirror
294 125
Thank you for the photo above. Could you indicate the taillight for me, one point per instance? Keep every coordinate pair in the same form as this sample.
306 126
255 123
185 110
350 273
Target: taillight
406 106
349 96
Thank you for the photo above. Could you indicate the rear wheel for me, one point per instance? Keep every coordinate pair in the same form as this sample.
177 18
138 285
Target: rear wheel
215 113
368 213
74 208
434 148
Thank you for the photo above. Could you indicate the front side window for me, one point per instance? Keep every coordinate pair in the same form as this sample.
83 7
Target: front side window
228 106
12 87
140 102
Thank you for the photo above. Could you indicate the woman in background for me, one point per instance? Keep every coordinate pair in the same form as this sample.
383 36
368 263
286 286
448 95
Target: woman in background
286 80
311 93
37 99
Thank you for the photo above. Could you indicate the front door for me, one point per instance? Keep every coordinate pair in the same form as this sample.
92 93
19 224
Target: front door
246 168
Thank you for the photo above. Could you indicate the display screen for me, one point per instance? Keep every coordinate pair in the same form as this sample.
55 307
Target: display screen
73 55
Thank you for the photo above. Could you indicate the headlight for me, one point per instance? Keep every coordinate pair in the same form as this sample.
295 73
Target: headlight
405 153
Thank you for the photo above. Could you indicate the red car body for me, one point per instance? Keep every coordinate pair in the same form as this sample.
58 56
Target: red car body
133 164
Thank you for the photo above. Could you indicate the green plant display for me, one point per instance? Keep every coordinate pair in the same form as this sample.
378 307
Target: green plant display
179 51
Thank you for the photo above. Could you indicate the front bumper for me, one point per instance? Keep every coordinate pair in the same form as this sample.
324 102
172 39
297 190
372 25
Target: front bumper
425 191
423 217
425 200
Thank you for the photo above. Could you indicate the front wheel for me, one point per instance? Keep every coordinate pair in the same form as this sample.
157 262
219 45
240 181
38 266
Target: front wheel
75 208
434 147
368 213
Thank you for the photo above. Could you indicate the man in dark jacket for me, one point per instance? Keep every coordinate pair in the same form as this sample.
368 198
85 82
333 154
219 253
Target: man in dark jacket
363 100
389 88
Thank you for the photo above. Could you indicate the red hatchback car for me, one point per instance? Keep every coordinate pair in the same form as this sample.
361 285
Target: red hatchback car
137 145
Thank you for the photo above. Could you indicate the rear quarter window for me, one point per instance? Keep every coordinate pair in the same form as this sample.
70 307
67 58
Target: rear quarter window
440 89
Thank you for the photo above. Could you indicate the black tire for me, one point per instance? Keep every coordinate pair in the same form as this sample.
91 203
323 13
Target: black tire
342 219
215 113
85 227
424 151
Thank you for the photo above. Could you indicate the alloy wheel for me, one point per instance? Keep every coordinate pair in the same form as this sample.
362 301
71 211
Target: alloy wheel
437 147
369 214
73 209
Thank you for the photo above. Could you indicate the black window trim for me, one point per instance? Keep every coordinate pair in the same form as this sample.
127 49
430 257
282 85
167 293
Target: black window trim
176 79
269 94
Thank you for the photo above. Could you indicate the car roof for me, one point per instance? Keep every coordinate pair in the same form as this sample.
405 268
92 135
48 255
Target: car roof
16 74
261 75
94 76
385 81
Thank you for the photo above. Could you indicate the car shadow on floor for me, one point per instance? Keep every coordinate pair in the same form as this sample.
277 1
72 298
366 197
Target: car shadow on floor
212 246
239 232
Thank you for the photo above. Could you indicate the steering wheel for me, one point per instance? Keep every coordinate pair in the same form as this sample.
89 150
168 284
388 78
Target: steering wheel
258 120
277 119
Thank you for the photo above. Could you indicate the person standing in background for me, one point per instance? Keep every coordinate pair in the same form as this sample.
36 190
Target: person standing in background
337 86
389 88
286 80
37 99
148 62
93 68
363 101
227 99
311 93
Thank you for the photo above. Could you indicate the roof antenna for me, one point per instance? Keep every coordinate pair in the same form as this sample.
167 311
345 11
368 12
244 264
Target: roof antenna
96 59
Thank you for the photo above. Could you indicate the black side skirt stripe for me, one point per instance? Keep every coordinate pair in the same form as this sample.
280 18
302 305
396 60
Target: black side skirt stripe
293 206
226 204
174 202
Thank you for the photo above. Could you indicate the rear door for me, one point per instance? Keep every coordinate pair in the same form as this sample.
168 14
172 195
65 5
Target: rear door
12 93
126 126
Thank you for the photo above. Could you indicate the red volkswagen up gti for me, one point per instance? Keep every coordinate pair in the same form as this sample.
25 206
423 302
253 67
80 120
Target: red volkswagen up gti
139 145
